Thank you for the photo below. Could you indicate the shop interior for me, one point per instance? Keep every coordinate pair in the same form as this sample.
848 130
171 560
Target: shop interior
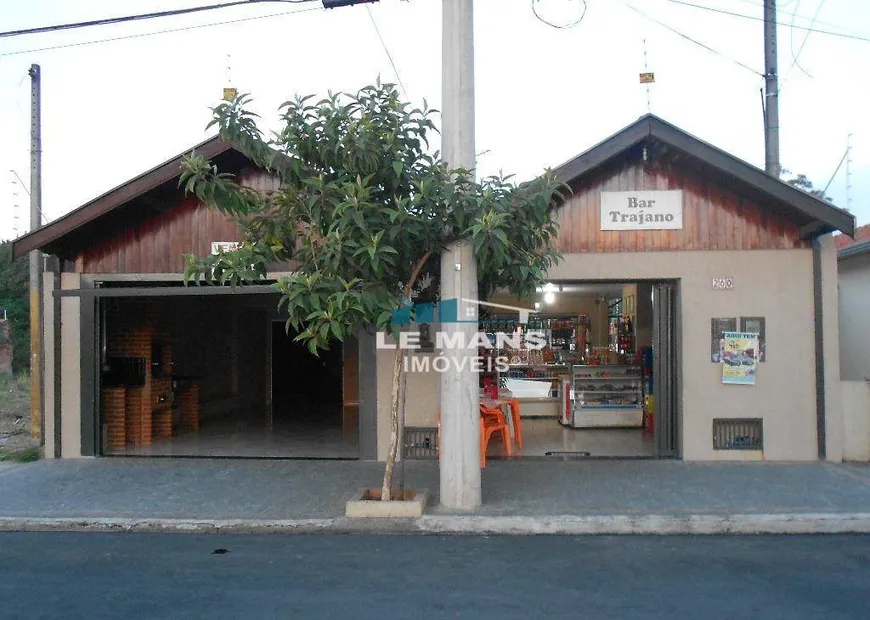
219 376
589 392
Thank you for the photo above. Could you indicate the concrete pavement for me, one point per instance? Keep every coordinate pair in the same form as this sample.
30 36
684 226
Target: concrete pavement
570 497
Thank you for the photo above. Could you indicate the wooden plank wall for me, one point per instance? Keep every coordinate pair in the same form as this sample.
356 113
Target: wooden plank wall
158 244
714 218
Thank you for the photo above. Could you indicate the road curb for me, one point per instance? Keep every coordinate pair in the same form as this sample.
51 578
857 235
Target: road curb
801 523
741 524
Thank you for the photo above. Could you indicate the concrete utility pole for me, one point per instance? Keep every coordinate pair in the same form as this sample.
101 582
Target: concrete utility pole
771 91
460 415
35 255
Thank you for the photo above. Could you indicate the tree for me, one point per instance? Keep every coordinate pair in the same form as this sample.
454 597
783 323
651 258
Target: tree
362 214
15 300
801 182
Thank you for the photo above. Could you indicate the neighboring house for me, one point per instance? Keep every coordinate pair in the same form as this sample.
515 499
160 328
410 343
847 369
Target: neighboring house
862 233
854 287
133 357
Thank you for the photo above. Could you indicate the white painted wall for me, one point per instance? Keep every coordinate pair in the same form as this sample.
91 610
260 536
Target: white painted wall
856 420
854 310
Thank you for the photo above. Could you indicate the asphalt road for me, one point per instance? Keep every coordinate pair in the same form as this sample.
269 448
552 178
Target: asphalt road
131 576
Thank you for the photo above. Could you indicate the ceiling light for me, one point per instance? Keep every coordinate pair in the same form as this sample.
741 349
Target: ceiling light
549 297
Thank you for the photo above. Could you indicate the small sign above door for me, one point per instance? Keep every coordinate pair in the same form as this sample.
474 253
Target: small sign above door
642 210
219 247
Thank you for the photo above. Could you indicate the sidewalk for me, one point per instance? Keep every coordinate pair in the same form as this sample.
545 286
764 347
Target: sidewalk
518 496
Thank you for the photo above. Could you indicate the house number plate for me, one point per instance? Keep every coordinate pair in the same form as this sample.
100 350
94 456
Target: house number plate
723 284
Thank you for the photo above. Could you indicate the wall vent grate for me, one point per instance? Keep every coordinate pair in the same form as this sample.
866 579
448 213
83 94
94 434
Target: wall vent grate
421 442
738 434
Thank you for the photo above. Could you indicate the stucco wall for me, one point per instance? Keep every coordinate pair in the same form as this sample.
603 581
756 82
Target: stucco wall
856 420
421 403
830 309
48 386
776 284
71 374
854 277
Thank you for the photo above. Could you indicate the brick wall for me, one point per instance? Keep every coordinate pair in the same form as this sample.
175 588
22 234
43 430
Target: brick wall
134 328
190 406
114 404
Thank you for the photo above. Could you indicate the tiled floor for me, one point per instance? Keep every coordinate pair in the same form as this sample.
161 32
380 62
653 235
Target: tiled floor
543 436
239 439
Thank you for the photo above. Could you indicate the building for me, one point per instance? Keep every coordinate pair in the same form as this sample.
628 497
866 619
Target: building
668 243
854 291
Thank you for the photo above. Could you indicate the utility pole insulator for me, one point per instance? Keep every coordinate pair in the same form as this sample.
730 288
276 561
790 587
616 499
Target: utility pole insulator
334 4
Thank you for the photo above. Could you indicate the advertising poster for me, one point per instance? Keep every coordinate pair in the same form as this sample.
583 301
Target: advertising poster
740 358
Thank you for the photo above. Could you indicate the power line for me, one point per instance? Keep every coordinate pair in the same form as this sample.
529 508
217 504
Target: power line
142 16
794 56
562 26
167 31
761 19
695 41
389 56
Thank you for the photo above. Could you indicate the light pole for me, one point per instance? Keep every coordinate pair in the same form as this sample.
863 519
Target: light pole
460 416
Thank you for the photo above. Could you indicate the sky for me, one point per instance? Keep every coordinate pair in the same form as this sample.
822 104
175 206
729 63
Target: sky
116 108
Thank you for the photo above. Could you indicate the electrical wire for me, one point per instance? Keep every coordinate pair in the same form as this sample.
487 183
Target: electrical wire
832 33
695 41
563 26
794 56
387 51
142 16
167 31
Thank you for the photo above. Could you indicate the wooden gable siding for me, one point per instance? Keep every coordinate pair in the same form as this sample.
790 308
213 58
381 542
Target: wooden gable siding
157 244
714 218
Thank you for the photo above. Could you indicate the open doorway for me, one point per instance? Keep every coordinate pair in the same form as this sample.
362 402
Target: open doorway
306 388
605 385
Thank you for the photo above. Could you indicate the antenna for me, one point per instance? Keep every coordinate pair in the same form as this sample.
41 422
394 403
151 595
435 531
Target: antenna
849 173
647 77
230 92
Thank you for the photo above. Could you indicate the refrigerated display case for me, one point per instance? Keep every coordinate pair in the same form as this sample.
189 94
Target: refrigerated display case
605 397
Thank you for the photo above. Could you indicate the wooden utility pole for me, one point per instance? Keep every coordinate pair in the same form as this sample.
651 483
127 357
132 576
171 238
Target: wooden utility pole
460 415
36 396
771 92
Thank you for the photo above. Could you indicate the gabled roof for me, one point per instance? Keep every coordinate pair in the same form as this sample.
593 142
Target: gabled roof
815 216
113 199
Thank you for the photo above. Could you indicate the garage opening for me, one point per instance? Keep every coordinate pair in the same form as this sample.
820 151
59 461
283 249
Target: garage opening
204 375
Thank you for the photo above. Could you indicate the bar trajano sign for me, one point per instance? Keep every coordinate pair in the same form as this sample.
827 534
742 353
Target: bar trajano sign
642 210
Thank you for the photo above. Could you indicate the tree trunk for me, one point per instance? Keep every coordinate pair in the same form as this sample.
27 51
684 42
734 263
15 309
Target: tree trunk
394 401
394 426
